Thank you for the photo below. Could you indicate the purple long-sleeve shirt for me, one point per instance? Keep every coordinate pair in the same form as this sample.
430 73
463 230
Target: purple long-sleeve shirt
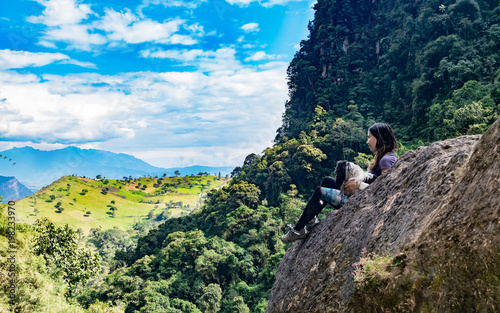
387 161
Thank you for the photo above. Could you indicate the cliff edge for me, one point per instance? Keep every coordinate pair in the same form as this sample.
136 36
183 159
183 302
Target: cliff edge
435 214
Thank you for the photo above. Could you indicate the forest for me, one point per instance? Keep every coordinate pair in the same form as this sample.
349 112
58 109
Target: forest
428 68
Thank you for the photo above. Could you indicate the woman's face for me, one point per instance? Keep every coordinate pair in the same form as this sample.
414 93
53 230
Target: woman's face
372 142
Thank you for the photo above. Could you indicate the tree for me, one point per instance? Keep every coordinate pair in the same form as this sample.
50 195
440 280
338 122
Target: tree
236 172
239 306
59 248
80 233
177 173
250 159
209 302
99 176
470 110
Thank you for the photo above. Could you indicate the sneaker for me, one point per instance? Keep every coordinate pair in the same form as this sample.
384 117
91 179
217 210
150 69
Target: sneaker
293 235
312 223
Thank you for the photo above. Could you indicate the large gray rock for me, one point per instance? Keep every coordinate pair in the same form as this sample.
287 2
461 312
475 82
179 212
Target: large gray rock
436 212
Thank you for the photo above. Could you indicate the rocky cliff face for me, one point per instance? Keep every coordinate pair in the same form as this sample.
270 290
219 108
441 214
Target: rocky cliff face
435 214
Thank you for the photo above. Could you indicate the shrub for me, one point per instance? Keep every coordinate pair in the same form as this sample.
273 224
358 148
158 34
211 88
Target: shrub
372 269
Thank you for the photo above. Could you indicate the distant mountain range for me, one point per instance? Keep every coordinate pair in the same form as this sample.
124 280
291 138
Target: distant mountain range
37 168
12 189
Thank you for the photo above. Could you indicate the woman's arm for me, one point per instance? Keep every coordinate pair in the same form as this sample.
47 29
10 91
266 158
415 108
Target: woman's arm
351 185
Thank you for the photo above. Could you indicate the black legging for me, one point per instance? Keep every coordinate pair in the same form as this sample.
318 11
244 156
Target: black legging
315 204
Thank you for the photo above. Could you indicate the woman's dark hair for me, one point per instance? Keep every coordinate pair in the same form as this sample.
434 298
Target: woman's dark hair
386 142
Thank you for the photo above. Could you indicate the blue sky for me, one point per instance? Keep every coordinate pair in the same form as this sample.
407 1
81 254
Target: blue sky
173 82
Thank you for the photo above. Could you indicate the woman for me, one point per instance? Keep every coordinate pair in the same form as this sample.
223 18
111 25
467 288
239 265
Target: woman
381 140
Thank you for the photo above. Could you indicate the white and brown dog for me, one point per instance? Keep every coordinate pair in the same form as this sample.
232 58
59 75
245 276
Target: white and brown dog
345 171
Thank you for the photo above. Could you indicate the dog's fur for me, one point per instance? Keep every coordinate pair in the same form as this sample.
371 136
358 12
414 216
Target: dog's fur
345 171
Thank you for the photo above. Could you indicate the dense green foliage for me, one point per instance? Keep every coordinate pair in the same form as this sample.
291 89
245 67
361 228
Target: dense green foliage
428 68
394 60
223 256
59 248
38 285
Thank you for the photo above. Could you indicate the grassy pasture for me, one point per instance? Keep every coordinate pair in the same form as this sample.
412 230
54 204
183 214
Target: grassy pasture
67 200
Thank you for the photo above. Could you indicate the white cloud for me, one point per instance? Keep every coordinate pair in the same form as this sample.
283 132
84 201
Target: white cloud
251 27
261 55
125 26
273 65
179 55
47 44
79 63
264 3
19 59
76 36
221 61
47 113
40 146
181 40
61 12
196 29
241 2
10 59
63 19
235 110
189 156
68 22
249 46
172 3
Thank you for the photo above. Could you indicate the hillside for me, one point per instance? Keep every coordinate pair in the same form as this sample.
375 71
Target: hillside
120 203
37 168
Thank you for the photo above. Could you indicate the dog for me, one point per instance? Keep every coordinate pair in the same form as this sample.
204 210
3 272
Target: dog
345 171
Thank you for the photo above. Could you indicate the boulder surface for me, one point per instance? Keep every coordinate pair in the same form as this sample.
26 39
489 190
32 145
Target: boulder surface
434 215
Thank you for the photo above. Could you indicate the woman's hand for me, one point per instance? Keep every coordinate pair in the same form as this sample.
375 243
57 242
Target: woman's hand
351 185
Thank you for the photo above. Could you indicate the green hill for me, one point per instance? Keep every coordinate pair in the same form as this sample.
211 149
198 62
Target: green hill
111 202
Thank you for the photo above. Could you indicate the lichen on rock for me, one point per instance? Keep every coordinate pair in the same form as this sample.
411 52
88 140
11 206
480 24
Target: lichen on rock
437 210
